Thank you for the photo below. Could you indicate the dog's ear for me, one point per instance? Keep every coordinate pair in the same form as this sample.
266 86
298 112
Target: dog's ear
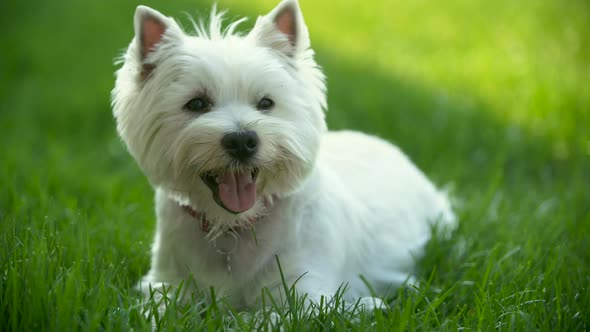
283 29
152 30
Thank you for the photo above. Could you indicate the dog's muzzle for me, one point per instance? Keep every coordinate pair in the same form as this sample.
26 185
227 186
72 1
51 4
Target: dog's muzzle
234 188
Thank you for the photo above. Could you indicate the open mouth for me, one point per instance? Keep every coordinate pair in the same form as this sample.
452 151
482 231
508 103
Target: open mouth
233 191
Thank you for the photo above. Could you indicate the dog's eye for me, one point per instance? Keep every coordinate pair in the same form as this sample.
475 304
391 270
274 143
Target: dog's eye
198 104
265 104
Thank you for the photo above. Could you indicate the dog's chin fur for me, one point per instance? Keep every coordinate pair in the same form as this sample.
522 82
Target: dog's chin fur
342 204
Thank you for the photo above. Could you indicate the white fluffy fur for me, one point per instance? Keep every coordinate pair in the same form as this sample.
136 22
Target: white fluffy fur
348 204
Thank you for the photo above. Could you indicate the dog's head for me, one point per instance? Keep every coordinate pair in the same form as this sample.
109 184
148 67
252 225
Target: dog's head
220 120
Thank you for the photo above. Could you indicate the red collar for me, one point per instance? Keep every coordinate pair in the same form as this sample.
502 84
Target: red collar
205 224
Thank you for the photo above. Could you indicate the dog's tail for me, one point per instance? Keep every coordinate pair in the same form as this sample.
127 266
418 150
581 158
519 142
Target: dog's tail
447 221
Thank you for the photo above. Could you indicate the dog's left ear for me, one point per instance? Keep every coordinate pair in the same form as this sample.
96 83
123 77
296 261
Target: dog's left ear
283 29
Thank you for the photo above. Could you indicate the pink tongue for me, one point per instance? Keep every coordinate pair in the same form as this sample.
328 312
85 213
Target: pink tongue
237 190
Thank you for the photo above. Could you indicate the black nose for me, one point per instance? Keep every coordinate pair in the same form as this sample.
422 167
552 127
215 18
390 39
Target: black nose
241 145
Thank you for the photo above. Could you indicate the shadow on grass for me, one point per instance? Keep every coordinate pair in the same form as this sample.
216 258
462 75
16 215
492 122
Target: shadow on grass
459 140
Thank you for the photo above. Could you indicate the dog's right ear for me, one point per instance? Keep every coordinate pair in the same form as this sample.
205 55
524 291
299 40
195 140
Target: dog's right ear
283 29
152 30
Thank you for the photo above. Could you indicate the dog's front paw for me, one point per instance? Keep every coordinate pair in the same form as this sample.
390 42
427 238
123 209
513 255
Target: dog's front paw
370 303
264 320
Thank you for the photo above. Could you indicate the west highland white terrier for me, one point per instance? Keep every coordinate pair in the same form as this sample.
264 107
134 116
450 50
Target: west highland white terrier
229 129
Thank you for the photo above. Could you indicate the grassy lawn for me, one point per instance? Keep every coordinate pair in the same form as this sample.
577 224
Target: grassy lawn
489 98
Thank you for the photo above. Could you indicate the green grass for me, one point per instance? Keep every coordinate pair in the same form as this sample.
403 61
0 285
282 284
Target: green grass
490 98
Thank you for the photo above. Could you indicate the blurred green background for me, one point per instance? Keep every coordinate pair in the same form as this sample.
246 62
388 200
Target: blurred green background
490 98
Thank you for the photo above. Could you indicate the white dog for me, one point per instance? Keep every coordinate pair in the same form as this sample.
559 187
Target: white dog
229 129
